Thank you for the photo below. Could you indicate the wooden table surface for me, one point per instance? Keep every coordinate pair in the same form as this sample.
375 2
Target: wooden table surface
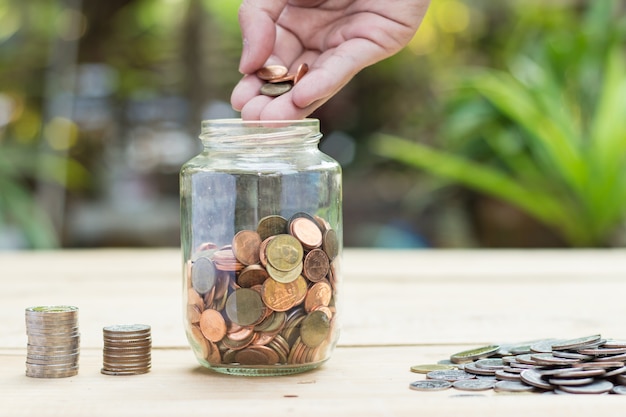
400 308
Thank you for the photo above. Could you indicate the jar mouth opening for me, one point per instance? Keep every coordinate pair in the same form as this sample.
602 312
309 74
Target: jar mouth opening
260 132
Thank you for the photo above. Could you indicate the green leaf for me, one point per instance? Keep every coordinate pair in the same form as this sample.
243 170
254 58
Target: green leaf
540 204
20 208
559 149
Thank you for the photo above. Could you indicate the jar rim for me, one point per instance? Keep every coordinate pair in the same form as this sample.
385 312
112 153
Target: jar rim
239 132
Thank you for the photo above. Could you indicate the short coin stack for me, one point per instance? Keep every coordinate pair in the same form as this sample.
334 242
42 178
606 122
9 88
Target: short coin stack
277 79
127 349
53 341
585 365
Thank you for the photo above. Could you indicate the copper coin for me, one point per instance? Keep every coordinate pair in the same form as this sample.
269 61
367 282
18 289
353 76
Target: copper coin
275 90
307 232
316 265
330 244
246 245
271 72
302 70
301 289
252 275
212 325
193 298
257 355
280 296
318 295
285 78
271 226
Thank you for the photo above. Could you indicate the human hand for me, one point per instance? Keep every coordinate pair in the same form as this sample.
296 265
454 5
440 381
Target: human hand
336 38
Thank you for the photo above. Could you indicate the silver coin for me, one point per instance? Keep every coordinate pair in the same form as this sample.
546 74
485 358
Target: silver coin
512 386
503 375
616 371
571 355
570 381
472 368
474 384
533 377
430 385
549 359
612 343
275 89
575 343
573 373
127 328
601 351
620 358
598 387
544 346
493 364
619 389
449 375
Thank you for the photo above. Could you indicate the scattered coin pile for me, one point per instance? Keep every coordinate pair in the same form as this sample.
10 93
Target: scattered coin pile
127 349
268 298
53 341
278 80
586 365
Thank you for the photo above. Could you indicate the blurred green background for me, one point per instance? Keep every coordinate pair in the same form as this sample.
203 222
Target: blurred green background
502 124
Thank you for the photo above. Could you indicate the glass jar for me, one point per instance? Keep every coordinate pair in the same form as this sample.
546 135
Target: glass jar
261 236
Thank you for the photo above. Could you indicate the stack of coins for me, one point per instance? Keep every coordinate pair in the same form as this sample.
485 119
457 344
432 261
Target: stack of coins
278 80
127 349
53 341
585 365
267 297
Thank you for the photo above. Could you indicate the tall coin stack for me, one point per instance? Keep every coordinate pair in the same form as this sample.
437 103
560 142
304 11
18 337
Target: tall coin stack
53 341
127 349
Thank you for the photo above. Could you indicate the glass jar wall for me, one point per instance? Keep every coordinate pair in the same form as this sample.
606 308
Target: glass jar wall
261 235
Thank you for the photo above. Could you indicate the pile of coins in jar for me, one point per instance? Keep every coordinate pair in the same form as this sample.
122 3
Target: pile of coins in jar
127 349
585 365
268 298
53 341
277 79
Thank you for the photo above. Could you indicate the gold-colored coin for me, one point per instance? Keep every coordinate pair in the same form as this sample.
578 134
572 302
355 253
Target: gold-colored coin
314 329
284 252
283 296
330 244
275 90
271 225
426 368
244 306
284 276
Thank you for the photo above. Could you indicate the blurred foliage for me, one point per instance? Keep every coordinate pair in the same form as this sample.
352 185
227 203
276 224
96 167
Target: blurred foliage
545 131
102 100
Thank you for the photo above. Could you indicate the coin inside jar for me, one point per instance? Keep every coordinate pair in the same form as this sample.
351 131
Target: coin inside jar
271 311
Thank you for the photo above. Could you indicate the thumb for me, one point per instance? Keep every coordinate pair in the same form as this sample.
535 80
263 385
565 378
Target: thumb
257 19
